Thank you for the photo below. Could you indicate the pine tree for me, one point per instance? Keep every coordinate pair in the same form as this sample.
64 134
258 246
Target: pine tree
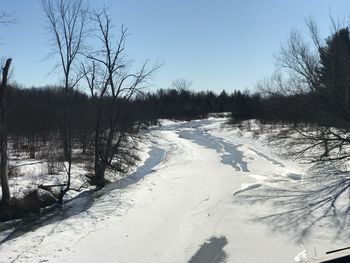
334 74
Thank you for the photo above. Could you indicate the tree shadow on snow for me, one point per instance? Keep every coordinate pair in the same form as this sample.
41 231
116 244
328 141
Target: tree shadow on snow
105 203
320 202
211 251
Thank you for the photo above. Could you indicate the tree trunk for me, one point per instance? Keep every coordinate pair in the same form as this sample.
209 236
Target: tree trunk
97 144
100 171
3 136
66 132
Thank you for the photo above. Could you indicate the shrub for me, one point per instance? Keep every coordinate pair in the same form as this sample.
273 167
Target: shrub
28 205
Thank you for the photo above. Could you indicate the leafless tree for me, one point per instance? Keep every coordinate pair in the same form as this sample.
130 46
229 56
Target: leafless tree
3 135
330 140
6 19
181 84
66 24
297 65
111 83
279 84
325 139
300 60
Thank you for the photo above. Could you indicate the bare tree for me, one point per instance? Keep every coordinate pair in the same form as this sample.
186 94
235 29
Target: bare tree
297 65
317 71
3 135
66 24
181 84
6 18
300 60
112 85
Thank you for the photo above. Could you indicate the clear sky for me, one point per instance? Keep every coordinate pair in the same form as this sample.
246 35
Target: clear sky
218 44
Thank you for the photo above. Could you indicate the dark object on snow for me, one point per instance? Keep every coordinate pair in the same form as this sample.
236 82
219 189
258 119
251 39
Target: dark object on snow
46 198
211 251
30 204
336 256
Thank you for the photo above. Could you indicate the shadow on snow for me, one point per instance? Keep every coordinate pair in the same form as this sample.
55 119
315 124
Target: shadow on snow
317 203
83 202
211 251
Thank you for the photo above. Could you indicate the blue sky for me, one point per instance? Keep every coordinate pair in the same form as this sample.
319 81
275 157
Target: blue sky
217 44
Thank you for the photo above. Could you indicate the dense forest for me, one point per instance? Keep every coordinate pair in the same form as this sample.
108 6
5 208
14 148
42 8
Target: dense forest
36 113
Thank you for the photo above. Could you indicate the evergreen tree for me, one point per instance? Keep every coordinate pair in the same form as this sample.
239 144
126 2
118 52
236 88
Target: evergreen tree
334 75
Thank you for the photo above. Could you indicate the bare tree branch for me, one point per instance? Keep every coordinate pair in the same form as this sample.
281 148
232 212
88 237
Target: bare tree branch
110 79
6 19
67 25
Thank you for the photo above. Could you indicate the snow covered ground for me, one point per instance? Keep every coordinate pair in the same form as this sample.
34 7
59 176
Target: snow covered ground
205 194
26 173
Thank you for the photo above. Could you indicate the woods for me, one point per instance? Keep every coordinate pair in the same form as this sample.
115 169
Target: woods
101 99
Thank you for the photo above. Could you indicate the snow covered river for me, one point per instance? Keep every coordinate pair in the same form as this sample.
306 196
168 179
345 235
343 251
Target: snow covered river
181 205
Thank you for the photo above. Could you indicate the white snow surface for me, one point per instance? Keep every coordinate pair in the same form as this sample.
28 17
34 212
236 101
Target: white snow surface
203 195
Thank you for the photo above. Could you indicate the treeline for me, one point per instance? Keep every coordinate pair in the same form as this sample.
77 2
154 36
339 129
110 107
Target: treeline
187 104
35 114
276 108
